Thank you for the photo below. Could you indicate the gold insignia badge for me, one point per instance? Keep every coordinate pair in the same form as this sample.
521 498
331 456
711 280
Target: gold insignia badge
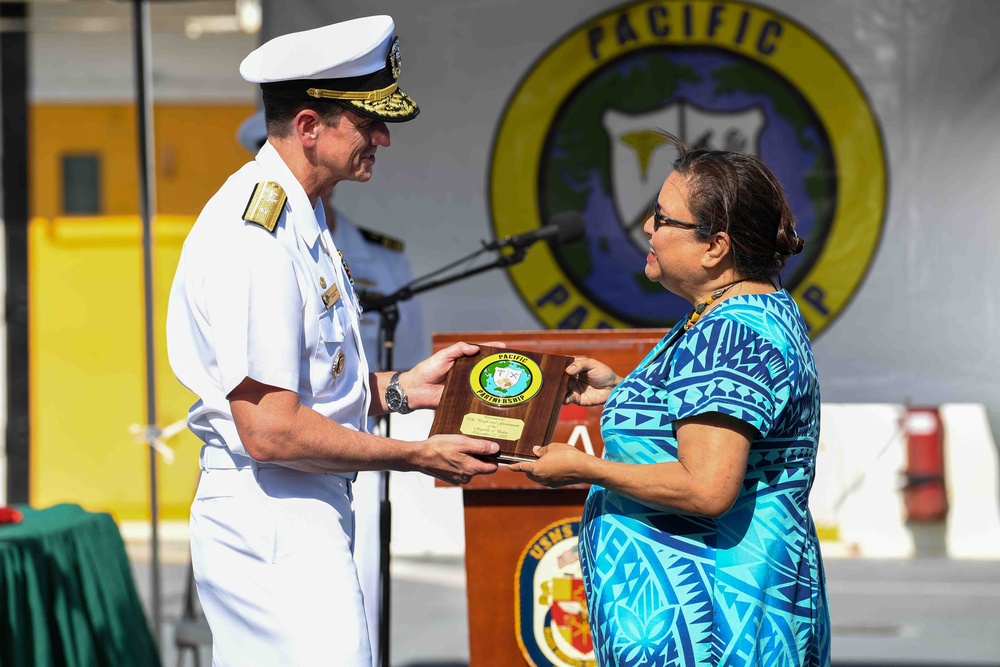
395 61
322 282
330 296
265 205
338 364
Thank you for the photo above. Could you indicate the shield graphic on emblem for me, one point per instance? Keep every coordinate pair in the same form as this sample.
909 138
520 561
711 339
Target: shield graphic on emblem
568 609
641 159
505 378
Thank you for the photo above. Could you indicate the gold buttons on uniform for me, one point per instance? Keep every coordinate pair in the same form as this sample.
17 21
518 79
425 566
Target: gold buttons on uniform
322 282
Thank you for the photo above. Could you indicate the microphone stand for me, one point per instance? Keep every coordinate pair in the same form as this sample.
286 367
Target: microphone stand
388 321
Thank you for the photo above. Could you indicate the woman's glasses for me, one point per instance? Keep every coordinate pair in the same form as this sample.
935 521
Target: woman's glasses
660 220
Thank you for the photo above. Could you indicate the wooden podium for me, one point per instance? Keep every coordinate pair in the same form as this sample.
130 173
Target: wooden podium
506 513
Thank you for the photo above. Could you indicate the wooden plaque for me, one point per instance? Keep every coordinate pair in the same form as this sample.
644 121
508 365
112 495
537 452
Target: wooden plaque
512 397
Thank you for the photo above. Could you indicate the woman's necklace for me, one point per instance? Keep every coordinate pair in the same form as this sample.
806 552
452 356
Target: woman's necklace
692 318
700 308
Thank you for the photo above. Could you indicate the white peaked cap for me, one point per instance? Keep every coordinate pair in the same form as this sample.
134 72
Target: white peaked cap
338 51
355 63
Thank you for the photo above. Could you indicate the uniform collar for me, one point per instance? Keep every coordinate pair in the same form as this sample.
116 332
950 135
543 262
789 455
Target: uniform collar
301 214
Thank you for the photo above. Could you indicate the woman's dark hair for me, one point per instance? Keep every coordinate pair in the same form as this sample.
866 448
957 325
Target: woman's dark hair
279 112
737 194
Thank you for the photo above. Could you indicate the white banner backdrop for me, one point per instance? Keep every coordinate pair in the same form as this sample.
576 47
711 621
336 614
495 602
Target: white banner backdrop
921 326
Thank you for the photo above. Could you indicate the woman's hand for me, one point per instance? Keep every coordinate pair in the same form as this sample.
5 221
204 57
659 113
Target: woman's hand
590 382
558 465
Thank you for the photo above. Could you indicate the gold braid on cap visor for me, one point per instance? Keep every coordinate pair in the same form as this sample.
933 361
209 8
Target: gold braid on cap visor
366 96
396 106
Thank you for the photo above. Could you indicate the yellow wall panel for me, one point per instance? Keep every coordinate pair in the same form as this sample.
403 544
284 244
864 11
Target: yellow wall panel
88 384
196 149
87 347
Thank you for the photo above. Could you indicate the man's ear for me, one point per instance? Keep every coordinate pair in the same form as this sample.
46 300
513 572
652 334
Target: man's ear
717 250
306 125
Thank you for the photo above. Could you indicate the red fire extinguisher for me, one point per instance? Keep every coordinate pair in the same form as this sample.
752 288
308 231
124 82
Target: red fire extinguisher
925 495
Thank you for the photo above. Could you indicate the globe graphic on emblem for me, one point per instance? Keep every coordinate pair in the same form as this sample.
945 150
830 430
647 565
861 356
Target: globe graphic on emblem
505 379
605 158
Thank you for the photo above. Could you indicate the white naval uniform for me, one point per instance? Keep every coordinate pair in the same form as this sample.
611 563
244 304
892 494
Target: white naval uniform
378 270
270 546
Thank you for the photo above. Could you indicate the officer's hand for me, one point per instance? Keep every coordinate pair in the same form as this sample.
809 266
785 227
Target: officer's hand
424 382
457 459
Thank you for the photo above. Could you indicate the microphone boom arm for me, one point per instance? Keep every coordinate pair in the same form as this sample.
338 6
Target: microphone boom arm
415 287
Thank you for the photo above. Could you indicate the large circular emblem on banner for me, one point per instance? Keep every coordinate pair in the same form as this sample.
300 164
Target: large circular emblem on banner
582 132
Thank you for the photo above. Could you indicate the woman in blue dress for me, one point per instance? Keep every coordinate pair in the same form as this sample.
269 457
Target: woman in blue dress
696 541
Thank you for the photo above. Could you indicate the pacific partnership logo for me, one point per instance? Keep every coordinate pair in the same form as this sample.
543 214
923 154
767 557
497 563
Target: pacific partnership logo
582 132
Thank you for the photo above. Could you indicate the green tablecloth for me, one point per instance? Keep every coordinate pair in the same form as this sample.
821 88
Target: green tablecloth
67 596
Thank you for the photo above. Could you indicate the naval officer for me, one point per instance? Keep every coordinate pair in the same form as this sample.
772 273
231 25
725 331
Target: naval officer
378 265
263 326
379 268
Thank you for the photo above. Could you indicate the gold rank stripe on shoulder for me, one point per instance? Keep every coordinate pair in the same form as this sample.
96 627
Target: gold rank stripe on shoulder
265 205
381 239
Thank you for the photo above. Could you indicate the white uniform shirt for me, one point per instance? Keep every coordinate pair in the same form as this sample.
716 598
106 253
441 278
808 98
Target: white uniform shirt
246 302
379 271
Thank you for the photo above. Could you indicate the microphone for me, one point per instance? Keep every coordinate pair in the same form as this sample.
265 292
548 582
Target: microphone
564 227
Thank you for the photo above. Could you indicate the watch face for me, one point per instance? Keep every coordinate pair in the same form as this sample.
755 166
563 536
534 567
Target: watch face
394 396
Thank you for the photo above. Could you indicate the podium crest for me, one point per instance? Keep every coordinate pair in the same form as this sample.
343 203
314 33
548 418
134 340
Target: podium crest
551 618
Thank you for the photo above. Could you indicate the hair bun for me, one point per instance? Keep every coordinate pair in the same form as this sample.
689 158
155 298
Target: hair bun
797 245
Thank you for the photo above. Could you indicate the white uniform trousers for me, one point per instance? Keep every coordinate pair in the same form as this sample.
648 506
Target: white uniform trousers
271 550
367 492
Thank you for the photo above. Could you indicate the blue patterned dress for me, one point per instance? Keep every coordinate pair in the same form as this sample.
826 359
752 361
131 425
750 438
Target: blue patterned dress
671 589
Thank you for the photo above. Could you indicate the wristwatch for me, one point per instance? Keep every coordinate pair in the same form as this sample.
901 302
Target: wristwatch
395 397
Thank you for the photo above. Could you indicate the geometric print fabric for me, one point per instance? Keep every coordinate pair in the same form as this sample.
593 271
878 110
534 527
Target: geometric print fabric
747 588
